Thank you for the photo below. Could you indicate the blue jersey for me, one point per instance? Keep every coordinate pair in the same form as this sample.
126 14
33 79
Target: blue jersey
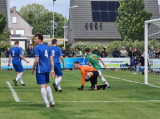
15 52
56 52
42 51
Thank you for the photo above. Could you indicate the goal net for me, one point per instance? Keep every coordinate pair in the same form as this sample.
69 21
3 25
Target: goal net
152 48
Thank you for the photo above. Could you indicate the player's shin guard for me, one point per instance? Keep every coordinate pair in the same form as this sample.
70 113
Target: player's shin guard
58 80
104 80
44 95
49 92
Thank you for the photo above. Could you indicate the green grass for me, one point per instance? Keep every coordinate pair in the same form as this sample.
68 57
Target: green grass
120 90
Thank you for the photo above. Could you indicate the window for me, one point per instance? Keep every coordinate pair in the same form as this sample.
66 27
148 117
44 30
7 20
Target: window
104 11
21 32
11 31
14 19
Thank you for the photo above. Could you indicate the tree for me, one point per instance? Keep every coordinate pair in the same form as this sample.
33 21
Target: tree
3 22
42 20
131 18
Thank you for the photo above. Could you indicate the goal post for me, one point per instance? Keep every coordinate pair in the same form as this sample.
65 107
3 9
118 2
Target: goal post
155 31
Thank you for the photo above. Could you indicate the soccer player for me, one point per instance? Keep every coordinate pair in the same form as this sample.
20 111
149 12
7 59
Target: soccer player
93 59
44 65
56 52
16 53
91 73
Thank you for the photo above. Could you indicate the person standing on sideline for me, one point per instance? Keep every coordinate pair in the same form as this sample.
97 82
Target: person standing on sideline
93 59
16 53
56 52
70 52
44 65
7 52
96 51
64 52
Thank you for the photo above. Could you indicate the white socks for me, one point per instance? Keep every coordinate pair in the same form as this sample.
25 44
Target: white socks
18 76
58 80
104 80
21 81
49 92
59 87
44 95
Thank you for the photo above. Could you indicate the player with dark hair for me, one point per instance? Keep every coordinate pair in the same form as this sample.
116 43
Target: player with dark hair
16 53
91 73
93 59
56 52
44 65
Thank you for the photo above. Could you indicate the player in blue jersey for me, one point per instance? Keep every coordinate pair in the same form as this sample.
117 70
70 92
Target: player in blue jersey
44 65
16 55
56 52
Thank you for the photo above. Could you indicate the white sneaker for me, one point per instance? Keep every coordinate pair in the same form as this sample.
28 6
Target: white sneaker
47 105
52 103
134 73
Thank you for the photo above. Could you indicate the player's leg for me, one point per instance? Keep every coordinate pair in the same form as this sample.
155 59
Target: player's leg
49 90
41 81
58 78
103 79
93 79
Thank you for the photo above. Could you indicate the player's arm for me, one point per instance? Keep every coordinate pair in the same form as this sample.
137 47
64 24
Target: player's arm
9 60
52 66
62 59
102 62
23 58
83 79
35 64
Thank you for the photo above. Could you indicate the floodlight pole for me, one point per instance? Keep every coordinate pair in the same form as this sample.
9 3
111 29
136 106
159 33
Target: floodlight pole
53 18
65 23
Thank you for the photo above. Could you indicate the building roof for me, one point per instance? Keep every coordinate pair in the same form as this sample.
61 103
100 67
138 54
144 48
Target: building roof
82 14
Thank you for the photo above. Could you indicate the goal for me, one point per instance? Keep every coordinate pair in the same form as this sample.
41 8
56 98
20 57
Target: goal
152 59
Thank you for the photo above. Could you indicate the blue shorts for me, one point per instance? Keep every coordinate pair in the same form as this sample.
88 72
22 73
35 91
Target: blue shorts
17 66
58 70
42 78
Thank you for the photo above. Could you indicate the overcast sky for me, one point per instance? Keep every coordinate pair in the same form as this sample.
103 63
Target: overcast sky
59 6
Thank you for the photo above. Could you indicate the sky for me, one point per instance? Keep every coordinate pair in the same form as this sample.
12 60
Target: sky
59 5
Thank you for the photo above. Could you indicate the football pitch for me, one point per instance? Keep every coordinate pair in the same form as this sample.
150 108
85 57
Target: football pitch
128 98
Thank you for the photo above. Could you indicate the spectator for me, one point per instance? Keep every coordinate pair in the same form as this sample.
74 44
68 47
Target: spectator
96 51
136 52
64 52
7 52
22 51
116 53
123 52
70 52
141 65
151 52
28 50
78 52
104 53
130 52
157 54
31 53
49 45
0 52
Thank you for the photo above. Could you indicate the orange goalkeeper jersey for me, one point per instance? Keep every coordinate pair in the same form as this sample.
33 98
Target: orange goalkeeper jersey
84 70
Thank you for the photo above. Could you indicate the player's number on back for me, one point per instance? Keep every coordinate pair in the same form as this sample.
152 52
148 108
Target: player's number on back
53 53
46 54
13 53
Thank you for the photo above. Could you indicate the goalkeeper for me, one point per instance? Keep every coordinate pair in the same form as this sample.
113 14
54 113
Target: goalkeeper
91 73
93 59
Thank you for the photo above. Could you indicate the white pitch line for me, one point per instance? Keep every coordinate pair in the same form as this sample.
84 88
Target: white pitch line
94 101
13 92
132 81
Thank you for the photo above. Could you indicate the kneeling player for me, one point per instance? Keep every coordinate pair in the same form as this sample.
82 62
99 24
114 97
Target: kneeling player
91 73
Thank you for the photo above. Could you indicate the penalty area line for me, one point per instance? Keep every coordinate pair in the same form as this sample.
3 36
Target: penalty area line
132 81
13 92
